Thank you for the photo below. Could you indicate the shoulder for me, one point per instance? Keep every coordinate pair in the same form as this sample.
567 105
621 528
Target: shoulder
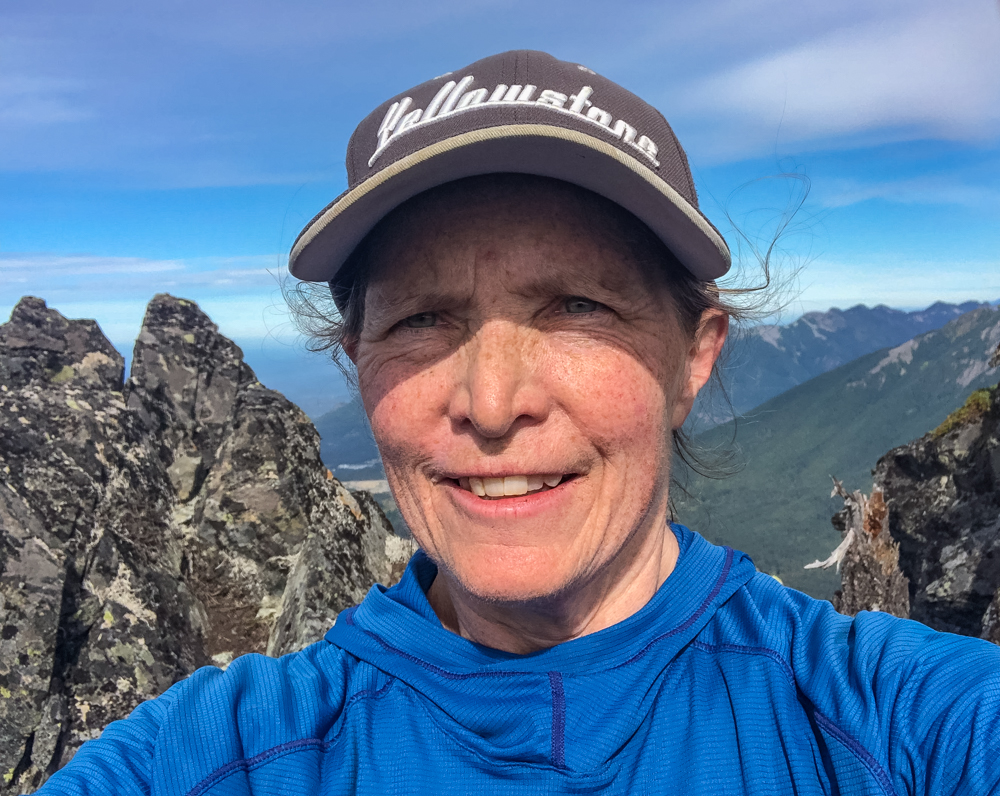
820 645
214 721
816 636
257 705
924 704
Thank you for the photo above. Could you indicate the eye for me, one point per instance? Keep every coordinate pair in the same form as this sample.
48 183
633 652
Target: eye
576 305
422 320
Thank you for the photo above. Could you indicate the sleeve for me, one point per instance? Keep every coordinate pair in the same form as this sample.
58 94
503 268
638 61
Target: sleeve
944 724
209 722
120 761
917 708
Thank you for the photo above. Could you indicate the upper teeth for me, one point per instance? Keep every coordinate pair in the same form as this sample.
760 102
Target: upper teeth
509 485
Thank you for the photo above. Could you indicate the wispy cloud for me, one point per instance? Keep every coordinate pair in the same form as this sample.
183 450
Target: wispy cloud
919 190
243 93
88 272
243 293
34 268
934 75
33 101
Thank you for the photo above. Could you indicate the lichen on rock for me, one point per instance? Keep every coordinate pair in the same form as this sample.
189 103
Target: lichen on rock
152 526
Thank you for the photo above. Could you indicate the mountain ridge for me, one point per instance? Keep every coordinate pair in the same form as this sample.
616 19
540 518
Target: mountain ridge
836 424
766 360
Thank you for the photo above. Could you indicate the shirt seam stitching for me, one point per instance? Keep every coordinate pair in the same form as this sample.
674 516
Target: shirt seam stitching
558 720
248 764
694 617
855 747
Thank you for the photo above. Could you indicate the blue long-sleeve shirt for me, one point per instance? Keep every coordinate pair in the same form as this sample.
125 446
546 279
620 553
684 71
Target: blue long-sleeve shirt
725 682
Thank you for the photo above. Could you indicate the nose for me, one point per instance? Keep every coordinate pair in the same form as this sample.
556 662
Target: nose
502 384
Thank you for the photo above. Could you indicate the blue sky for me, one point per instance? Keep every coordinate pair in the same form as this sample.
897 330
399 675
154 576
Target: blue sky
180 146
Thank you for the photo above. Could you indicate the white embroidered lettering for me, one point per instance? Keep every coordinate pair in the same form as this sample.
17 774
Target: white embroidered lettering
511 95
458 91
553 98
580 100
388 118
396 110
472 98
602 117
408 121
438 99
455 97
648 147
624 131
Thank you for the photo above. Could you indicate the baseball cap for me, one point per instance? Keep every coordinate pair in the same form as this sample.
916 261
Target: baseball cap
522 112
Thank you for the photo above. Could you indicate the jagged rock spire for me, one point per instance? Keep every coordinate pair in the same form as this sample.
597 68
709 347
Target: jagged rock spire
177 520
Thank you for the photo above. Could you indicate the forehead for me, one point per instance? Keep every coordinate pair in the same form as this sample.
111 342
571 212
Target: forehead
525 229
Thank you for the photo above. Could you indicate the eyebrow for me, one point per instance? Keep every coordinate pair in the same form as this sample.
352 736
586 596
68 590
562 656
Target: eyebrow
604 283
402 304
391 299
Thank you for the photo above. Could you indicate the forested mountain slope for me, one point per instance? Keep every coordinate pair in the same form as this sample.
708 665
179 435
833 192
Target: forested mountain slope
767 360
777 507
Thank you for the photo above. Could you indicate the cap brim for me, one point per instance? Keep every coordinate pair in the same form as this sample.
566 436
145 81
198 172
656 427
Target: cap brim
542 150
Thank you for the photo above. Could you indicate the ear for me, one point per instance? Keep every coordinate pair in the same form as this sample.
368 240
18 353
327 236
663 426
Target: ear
705 349
350 346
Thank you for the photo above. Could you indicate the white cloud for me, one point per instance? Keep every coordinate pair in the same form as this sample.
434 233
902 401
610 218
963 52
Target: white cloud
88 272
34 267
32 101
241 294
934 75
918 190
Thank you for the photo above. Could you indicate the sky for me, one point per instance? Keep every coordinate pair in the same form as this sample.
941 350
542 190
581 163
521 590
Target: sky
181 146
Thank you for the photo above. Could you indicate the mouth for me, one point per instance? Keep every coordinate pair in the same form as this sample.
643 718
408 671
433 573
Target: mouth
509 486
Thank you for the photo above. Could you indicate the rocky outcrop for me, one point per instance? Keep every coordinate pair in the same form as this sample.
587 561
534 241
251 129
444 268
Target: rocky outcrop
149 527
943 495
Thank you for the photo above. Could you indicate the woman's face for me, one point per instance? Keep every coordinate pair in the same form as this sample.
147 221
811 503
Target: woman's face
522 374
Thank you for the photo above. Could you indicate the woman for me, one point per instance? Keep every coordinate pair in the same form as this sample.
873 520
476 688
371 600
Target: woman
525 287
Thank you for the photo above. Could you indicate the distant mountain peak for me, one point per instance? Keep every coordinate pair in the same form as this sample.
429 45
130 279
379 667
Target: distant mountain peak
769 359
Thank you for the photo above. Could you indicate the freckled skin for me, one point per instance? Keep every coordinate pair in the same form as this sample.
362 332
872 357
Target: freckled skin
473 360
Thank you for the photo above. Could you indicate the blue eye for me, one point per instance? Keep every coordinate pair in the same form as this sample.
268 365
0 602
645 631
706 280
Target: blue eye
422 320
576 305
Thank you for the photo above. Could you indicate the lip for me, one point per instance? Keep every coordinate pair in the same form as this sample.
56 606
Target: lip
501 474
515 507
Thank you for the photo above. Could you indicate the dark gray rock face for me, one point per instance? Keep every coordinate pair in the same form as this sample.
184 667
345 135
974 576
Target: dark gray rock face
943 494
150 527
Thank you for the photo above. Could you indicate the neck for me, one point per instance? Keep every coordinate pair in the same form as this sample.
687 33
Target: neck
623 587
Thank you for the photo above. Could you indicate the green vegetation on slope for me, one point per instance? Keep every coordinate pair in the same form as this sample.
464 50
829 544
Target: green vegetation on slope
777 508
975 406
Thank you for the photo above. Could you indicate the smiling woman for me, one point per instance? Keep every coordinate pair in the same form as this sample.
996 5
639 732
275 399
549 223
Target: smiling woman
515 331
527 292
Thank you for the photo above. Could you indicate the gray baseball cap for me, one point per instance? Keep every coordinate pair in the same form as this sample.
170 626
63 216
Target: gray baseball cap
519 112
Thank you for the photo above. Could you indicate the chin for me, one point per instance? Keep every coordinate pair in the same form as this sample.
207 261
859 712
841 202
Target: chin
512 575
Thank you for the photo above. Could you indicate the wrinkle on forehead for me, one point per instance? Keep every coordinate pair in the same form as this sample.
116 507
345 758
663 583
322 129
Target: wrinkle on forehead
468 221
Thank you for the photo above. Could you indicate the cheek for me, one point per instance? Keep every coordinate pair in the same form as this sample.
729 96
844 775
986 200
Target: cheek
404 406
616 400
